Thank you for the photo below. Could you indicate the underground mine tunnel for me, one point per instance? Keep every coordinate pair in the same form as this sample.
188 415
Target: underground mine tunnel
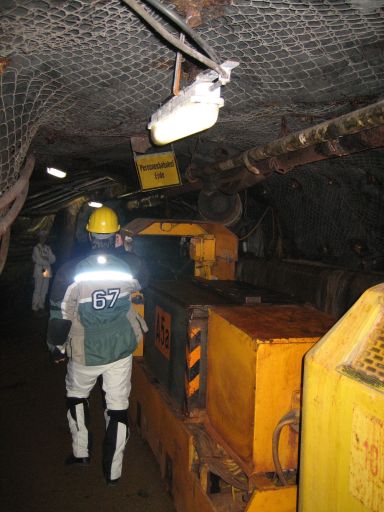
192 255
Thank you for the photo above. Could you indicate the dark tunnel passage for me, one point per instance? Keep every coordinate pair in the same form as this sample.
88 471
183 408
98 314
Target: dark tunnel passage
36 442
236 148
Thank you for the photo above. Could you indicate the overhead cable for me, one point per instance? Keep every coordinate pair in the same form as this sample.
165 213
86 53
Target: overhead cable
175 18
174 41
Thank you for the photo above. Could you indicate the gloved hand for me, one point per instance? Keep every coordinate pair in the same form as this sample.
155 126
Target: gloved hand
58 356
137 299
138 323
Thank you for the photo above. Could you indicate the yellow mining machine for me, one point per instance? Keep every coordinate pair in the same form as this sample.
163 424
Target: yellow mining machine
342 449
217 389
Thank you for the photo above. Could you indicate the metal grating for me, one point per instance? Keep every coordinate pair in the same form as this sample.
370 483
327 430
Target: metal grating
370 360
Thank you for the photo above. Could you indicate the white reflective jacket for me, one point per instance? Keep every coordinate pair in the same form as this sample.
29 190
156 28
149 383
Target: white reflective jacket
42 257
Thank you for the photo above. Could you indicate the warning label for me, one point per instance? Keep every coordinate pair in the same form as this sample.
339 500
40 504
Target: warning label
157 170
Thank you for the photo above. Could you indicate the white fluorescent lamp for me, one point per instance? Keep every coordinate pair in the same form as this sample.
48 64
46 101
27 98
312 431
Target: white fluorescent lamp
95 204
56 172
195 109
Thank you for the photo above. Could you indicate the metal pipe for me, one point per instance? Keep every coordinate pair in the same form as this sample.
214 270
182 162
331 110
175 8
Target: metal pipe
70 185
14 210
348 145
64 193
177 74
19 186
54 199
353 122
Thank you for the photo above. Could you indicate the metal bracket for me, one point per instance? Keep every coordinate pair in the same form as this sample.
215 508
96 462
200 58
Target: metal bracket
210 75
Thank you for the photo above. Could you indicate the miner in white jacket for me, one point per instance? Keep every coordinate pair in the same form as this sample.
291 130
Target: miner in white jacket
43 258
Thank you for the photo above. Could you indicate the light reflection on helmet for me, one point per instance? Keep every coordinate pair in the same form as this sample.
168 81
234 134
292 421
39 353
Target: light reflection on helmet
103 220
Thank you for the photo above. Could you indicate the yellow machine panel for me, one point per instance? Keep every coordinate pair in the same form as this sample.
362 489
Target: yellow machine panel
213 247
167 433
174 440
255 356
342 448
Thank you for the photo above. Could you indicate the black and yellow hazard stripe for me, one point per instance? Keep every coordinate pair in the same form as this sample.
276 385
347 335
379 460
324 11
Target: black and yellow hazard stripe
192 368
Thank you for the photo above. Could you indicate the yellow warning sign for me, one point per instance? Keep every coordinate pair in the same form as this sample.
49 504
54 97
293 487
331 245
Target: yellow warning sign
157 170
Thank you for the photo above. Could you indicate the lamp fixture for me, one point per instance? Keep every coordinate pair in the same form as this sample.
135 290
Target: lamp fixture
95 204
195 109
56 172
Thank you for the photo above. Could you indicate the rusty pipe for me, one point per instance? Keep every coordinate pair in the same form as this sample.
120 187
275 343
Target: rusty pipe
351 123
177 73
348 145
234 180
14 210
344 146
19 186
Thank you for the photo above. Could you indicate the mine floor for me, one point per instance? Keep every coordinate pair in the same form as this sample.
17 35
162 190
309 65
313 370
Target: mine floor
35 439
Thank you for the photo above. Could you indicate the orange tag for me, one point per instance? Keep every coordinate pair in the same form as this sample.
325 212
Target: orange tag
163 332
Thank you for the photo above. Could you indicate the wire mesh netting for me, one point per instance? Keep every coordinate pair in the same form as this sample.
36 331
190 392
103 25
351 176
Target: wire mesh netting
92 70
334 210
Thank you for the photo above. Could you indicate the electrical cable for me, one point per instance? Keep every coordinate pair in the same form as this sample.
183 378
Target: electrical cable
218 462
270 245
174 41
292 418
175 18
256 225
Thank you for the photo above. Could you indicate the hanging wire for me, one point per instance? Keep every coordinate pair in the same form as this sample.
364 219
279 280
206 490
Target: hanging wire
174 41
177 20
256 225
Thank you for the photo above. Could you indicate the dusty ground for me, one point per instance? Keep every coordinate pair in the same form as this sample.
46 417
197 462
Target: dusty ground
35 440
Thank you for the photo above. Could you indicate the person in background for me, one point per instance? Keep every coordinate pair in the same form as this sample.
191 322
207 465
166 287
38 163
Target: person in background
124 248
43 258
93 324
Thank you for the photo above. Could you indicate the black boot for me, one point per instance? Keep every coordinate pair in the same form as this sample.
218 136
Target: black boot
77 461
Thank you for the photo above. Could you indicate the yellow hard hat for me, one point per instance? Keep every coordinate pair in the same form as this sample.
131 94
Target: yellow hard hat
103 220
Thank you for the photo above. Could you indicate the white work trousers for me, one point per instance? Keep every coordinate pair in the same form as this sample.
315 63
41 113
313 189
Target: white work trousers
40 292
79 381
